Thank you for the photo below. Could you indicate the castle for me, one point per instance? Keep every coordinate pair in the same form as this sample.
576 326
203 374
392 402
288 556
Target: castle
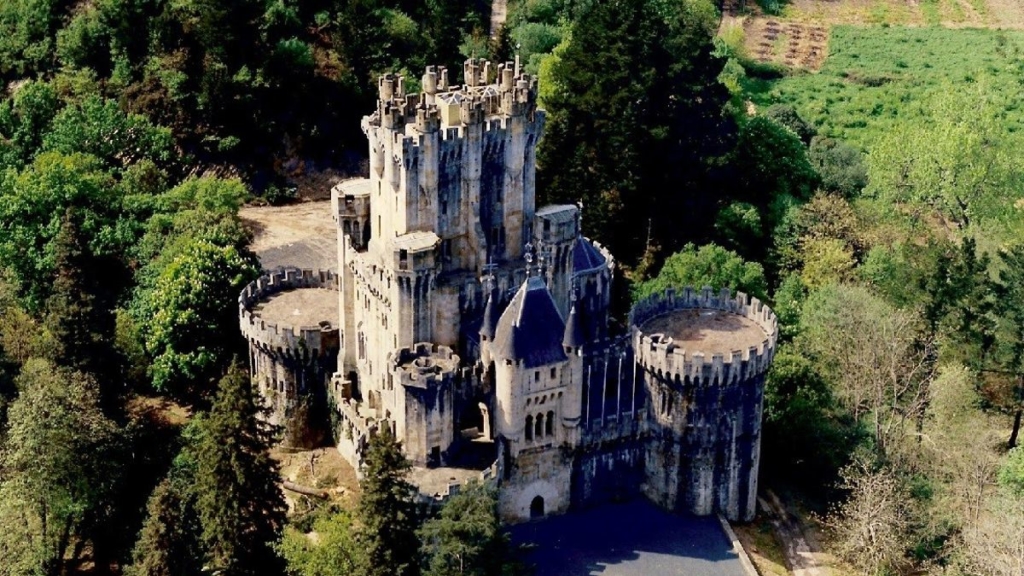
476 326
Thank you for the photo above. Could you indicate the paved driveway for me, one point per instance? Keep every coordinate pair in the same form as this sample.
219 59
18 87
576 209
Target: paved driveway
630 539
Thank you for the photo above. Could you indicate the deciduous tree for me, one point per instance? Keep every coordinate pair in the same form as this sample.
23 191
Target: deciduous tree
466 537
870 529
874 358
180 309
58 466
709 265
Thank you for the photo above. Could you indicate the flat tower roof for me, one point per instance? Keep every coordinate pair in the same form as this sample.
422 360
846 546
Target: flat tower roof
706 330
300 308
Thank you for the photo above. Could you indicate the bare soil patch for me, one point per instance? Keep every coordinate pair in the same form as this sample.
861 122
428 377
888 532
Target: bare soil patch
791 43
302 235
798 38
159 409
322 469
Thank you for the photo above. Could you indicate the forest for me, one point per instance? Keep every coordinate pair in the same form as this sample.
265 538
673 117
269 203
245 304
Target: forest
876 205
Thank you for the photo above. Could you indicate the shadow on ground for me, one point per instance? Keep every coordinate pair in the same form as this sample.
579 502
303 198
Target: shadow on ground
631 539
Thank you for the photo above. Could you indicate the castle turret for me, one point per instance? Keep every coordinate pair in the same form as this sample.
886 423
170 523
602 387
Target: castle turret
286 316
704 356
424 378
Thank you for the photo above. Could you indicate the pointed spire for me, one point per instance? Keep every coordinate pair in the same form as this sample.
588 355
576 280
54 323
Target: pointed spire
490 322
505 347
573 337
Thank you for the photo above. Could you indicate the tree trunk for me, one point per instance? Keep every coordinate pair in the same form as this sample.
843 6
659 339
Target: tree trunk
316 493
1016 427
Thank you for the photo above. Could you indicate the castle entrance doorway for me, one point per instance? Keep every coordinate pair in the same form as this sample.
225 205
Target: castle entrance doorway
537 508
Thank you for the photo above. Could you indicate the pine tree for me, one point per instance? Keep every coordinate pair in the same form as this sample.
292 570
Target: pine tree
240 505
387 513
70 315
168 544
636 128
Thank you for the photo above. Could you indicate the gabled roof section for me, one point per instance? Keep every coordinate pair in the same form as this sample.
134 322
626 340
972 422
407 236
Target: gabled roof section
530 329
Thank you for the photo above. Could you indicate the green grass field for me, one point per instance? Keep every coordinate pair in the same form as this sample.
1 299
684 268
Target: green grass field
875 77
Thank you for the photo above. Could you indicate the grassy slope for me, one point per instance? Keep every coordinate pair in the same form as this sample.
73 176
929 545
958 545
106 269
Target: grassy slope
875 77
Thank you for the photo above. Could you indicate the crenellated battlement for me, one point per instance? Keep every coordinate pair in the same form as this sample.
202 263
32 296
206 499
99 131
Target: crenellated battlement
607 255
295 341
424 365
660 354
490 92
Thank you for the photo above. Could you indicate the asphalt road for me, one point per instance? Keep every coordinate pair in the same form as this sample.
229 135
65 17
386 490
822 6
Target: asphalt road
631 539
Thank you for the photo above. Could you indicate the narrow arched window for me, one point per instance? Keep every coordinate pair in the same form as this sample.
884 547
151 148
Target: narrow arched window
549 424
529 427
538 429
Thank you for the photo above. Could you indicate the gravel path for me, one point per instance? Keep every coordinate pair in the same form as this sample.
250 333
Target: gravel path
799 554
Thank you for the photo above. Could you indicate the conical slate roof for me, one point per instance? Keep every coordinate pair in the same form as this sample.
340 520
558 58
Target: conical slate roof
489 325
530 329
573 336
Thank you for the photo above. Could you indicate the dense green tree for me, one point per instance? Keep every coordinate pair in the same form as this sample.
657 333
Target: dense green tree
32 205
25 119
787 116
72 317
709 265
1011 475
168 544
636 128
738 226
332 554
951 163
807 438
98 127
770 161
466 537
840 166
181 313
240 504
57 468
958 302
387 516
1010 330
826 226
27 34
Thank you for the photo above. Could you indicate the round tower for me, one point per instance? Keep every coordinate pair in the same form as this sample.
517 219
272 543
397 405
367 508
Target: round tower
704 357
289 319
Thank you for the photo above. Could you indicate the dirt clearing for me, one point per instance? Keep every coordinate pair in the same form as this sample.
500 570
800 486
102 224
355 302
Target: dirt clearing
301 235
